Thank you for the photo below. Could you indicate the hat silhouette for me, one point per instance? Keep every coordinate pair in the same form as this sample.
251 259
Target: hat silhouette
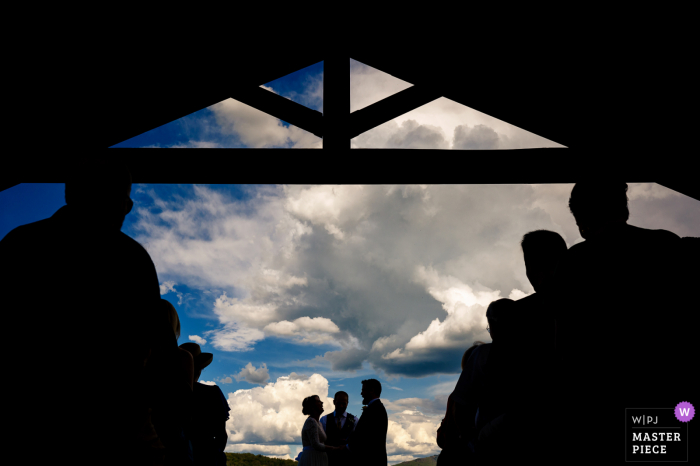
201 360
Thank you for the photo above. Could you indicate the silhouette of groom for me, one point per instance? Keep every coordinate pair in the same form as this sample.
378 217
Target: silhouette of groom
368 442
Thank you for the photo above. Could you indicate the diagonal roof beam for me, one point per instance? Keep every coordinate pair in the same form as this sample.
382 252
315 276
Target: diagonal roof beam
387 109
282 108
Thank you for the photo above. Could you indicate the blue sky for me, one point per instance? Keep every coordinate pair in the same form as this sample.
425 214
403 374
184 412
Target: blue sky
298 289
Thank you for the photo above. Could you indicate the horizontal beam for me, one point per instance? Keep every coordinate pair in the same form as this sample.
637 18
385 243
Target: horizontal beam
282 108
363 166
392 107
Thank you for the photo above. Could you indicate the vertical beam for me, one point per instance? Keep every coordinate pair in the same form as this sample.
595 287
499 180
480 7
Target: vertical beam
336 100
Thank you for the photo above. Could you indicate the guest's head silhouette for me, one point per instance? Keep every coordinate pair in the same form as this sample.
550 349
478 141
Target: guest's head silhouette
598 207
201 360
371 389
340 401
99 190
542 250
498 314
171 314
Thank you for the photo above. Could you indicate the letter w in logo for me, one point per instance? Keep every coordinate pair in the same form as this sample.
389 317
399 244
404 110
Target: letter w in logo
684 411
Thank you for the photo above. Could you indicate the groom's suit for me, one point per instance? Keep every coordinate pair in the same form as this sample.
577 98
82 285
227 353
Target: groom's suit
368 442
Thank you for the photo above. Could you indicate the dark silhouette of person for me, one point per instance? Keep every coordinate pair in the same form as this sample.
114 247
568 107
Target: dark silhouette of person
338 426
162 396
81 289
166 374
448 437
367 443
481 394
622 340
527 360
207 430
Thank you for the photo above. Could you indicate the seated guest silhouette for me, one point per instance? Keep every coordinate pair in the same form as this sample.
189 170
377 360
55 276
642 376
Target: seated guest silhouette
367 443
620 287
338 426
170 413
482 391
448 438
312 435
85 285
207 430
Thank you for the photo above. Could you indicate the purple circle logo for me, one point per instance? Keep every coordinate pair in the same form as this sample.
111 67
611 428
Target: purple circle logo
684 411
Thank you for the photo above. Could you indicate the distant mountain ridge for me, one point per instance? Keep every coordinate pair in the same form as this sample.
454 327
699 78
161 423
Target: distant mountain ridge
427 461
249 459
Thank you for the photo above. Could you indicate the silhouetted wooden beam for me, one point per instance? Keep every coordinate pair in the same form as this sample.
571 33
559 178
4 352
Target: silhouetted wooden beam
150 113
430 166
336 101
145 97
282 108
387 109
518 95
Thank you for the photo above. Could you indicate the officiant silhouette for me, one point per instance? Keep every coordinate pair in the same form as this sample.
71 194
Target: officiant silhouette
338 426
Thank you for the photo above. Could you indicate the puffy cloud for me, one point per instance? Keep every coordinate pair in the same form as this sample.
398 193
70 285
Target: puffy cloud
369 85
304 329
271 415
431 407
399 276
477 138
257 129
412 433
235 337
226 380
346 360
466 316
207 382
517 294
197 339
432 121
167 287
252 375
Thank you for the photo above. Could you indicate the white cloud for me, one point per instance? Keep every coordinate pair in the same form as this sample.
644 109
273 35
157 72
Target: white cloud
466 314
252 375
272 414
167 287
440 124
257 129
398 276
207 382
413 433
304 330
369 85
235 337
197 339
517 294
649 191
226 380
